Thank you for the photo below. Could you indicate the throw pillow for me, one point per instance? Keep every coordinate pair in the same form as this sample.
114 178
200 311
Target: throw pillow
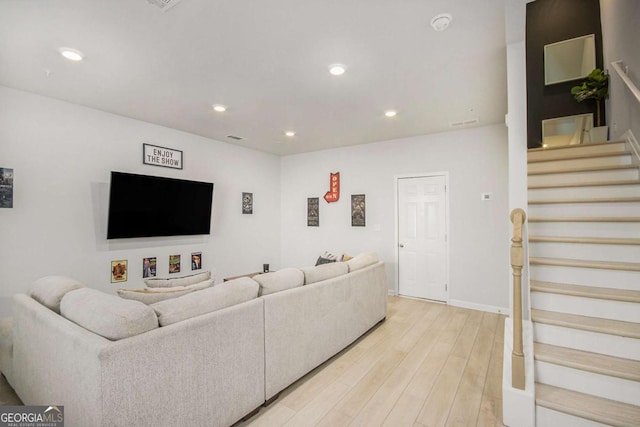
206 301
346 257
280 280
107 315
153 295
178 281
328 257
49 290
322 260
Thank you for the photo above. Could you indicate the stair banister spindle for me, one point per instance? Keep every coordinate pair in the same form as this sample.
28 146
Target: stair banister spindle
518 217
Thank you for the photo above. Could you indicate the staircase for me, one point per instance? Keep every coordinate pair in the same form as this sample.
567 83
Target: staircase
584 257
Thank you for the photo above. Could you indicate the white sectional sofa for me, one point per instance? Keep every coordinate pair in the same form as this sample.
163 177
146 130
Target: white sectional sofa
207 370
307 325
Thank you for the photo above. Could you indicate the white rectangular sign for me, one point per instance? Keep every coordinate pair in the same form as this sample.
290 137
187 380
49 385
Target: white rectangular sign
161 156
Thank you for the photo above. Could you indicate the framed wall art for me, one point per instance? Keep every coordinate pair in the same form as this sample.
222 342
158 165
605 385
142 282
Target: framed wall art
358 210
149 267
196 261
313 212
174 264
161 156
247 203
119 271
6 188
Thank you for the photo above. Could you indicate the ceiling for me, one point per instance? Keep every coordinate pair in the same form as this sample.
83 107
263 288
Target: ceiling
267 61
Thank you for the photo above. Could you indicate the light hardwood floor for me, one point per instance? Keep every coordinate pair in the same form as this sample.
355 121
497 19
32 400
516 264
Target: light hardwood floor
427 365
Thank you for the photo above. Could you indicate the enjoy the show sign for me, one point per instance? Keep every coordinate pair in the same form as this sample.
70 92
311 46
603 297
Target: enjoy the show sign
161 156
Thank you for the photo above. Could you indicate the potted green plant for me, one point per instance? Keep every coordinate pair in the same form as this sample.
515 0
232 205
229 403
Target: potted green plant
594 87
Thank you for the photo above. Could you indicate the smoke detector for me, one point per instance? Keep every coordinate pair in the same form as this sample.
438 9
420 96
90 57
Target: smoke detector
441 22
164 5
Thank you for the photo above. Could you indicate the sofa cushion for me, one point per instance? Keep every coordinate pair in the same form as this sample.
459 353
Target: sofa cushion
153 295
280 280
362 260
206 301
324 272
177 281
107 315
49 290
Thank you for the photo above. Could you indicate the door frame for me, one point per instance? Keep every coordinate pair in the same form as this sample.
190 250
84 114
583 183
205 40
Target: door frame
396 250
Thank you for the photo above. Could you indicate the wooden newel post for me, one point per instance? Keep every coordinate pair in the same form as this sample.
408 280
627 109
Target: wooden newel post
518 217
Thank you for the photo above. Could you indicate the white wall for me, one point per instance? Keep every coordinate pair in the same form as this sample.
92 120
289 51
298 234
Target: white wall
476 160
620 20
62 155
515 13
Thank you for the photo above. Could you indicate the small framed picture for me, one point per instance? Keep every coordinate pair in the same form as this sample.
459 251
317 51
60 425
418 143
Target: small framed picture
6 188
313 212
119 271
358 210
149 267
196 261
247 203
174 264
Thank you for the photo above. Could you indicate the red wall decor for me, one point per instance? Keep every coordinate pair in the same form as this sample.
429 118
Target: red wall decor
333 195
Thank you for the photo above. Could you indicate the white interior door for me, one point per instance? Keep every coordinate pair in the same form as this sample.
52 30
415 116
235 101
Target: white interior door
422 237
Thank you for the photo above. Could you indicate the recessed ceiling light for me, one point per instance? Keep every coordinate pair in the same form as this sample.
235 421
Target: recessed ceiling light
219 108
71 54
545 145
390 113
337 69
441 22
290 133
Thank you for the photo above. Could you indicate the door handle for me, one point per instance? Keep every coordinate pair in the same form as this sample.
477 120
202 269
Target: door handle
401 245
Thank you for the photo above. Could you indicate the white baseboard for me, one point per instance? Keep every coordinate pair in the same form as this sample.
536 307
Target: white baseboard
480 307
392 293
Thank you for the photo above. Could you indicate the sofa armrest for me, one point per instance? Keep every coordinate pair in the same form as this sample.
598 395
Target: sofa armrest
208 370
55 362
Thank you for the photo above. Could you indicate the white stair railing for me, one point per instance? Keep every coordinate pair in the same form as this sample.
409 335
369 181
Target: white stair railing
618 66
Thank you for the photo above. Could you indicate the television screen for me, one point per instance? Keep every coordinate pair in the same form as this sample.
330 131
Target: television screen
148 206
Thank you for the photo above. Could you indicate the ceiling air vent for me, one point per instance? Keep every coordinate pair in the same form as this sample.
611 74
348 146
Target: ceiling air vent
237 138
467 122
164 5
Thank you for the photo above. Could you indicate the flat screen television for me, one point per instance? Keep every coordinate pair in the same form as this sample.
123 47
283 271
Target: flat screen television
149 206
